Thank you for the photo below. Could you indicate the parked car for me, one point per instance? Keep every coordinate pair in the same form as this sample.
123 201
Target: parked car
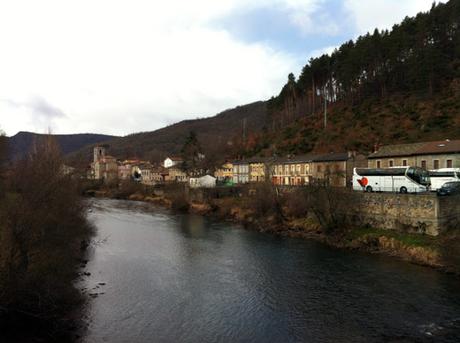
449 188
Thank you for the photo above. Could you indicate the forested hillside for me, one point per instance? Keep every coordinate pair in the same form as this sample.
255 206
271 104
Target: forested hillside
388 86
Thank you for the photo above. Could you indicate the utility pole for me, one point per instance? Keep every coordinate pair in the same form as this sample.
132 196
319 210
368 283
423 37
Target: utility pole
325 108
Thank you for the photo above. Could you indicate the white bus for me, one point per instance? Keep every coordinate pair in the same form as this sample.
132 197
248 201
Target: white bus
441 176
394 179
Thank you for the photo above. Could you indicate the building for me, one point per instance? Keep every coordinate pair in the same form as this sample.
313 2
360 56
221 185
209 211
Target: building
159 174
104 167
175 174
124 171
224 173
336 168
240 172
146 172
206 181
259 168
292 171
172 161
427 155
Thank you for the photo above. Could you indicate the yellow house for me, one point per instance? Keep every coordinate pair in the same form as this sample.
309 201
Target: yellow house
225 172
258 169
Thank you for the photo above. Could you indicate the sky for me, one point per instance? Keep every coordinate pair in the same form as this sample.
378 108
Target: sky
124 66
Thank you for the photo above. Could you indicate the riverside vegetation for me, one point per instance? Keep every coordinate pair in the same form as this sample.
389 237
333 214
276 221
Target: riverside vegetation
43 235
314 212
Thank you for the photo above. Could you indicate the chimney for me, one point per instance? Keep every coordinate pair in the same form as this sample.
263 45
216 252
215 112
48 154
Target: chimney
376 147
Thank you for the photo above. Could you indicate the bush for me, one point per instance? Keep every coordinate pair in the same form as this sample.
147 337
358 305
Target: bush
43 222
296 203
266 201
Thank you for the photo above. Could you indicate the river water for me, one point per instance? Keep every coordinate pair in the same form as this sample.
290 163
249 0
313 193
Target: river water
162 277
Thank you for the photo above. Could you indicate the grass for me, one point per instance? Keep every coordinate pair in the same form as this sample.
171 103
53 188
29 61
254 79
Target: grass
408 239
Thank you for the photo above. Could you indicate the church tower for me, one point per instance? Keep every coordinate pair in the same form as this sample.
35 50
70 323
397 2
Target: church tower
99 153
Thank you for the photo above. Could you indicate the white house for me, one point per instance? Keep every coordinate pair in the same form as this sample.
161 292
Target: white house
172 161
206 181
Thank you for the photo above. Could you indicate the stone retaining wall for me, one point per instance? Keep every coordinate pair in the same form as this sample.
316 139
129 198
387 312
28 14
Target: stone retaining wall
421 213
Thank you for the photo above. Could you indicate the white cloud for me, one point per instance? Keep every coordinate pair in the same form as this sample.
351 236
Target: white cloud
125 66
383 14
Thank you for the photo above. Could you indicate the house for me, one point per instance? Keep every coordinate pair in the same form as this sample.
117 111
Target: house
258 169
159 174
224 173
146 172
175 174
427 155
336 168
206 181
240 172
172 161
124 171
292 171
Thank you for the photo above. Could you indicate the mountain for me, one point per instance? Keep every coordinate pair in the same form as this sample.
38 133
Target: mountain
221 134
22 142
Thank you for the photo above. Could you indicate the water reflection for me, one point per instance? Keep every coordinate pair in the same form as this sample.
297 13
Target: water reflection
184 278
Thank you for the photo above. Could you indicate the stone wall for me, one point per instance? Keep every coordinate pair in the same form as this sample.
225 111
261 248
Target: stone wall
418 213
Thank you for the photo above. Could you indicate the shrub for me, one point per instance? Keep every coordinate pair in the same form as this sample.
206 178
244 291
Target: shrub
43 222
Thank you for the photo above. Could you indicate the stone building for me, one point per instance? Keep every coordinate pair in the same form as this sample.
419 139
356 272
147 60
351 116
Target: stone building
337 168
104 167
427 155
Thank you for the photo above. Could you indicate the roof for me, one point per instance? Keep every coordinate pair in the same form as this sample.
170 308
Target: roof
295 159
423 148
332 157
175 158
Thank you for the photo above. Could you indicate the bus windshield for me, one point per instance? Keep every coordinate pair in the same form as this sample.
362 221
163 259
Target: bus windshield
419 175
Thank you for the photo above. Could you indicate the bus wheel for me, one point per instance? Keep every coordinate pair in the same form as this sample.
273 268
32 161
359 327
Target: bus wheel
403 190
369 189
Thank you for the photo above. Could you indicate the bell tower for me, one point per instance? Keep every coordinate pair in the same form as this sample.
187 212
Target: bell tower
99 153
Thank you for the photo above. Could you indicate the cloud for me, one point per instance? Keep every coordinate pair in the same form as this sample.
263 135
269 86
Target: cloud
38 106
383 14
34 111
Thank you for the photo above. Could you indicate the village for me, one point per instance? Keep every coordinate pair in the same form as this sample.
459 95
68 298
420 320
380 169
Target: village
336 167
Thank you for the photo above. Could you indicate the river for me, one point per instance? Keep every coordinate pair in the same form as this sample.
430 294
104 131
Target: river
162 277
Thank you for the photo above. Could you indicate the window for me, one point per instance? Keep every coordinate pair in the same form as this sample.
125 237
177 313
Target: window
378 164
404 163
318 169
390 163
436 164
424 164
449 164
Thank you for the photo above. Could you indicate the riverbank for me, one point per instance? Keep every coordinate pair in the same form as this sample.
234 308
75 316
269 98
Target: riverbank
287 218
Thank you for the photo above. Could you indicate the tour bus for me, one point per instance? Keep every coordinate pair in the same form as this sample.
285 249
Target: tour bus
395 179
441 176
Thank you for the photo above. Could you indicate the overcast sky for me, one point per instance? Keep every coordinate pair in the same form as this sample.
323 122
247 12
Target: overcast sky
118 67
